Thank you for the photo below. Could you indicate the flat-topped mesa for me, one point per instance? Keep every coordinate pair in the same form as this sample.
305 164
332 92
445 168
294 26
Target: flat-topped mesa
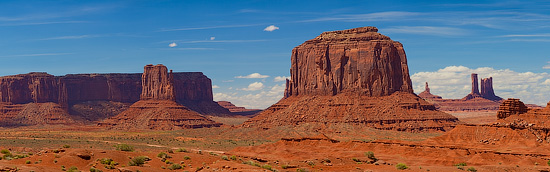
356 61
34 87
156 83
487 89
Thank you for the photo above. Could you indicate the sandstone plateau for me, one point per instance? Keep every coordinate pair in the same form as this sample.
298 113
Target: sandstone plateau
92 97
357 77
157 108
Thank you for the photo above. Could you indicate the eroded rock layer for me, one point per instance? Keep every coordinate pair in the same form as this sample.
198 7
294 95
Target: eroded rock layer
399 111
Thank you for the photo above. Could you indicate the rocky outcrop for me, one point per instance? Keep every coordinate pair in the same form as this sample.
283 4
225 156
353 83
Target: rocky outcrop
157 108
487 91
352 77
475 89
238 110
511 106
358 61
157 83
426 94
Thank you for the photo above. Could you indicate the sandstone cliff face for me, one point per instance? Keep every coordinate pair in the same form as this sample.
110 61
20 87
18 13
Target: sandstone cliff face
28 88
352 77
157 83
487 89
359 61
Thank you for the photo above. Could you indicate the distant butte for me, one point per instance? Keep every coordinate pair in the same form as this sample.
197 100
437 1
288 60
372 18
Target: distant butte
486 100
355 77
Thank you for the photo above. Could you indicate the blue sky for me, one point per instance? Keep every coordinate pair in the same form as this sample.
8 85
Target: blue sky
227 39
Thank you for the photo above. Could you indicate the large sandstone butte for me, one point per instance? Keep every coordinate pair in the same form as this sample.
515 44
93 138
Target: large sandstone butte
356 77
157 108
93 97
486 100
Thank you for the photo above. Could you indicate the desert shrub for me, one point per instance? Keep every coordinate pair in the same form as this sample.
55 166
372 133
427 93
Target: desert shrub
105 161
73 169
284 166
233 157
182 150
138 161
356 160
92 169
174 167
186 158
168 162
170 151
27 162
548 162
163 155
301 170
214 154
460 167
401 166
225 158
124 147
66 146
370 155
472 169
461 164
5 151
266 166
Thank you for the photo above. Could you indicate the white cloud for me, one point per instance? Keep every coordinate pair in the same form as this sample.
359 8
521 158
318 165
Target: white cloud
173 44
271 28
426 30
229 81
547 66
254 87
212 38
215 86
281 78
260 100
253 75
454 82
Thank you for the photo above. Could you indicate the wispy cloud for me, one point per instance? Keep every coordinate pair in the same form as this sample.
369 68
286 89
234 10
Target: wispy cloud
253 75
70 37
39 54
427 30
215 86
379 16
173 44
547 66
208 27
42 23
191 48
528 35
222 41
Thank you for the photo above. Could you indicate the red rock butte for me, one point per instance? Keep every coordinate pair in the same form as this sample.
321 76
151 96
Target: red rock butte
157 108
356 76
